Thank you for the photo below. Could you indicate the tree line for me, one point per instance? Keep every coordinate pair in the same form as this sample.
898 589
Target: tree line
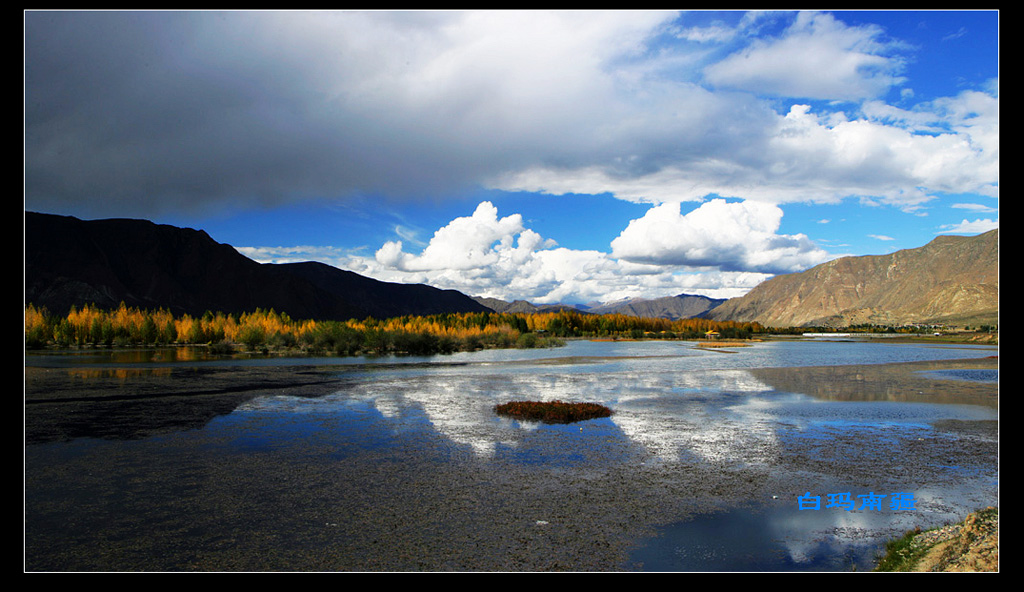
266 330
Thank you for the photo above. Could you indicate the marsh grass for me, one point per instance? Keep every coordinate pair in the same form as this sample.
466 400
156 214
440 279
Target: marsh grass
902 554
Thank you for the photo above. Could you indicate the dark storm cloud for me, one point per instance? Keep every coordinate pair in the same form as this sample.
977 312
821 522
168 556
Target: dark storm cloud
127 113
133 112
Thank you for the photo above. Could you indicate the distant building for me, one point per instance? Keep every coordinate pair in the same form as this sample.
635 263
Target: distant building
712 334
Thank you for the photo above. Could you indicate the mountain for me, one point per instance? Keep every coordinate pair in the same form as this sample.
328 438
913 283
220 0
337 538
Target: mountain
383 299
683 306
71 262
951 280
522 306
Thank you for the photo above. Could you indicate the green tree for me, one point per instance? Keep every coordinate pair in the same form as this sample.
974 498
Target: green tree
149 331
252 336
196 333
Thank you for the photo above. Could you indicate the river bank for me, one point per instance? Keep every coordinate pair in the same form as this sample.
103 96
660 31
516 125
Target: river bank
971 545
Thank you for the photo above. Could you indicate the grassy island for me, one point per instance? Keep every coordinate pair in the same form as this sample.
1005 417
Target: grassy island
552 411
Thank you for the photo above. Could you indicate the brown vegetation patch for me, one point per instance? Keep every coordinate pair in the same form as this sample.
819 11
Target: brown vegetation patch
552 411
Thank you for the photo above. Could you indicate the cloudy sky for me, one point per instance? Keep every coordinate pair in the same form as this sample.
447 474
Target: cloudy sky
548 156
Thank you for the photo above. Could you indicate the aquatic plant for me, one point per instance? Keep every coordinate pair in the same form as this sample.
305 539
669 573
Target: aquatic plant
552 411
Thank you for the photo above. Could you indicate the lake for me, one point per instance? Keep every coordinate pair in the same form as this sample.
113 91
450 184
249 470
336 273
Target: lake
712 460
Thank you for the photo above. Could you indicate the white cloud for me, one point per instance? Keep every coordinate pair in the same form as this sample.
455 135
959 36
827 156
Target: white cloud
295 254
818 58
717 33
488 255
949 145
729 236
970 227
974 206
812 158
874 152
466 243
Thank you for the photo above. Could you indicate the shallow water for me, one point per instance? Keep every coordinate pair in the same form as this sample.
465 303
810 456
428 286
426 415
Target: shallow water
404 465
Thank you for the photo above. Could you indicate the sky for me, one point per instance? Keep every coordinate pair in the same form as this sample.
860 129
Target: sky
548 156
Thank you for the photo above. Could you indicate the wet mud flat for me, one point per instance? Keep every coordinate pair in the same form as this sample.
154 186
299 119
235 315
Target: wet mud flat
150 472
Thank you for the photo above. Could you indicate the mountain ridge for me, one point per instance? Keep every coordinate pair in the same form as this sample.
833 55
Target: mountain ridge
72 262
950 280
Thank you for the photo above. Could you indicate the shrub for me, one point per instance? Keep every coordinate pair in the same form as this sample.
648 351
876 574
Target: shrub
527 341
221 348
251 336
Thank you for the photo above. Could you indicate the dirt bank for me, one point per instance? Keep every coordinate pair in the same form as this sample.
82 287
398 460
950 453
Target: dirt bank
968 546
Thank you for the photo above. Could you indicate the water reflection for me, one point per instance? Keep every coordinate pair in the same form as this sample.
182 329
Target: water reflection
985 375
121 356
744 433
665 414
886 383
671 401
771 539
119 373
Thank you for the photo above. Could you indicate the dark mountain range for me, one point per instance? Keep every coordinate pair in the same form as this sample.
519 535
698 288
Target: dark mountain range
71 262
952 280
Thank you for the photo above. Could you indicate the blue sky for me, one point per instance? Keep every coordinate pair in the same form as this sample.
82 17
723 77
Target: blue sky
541 155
